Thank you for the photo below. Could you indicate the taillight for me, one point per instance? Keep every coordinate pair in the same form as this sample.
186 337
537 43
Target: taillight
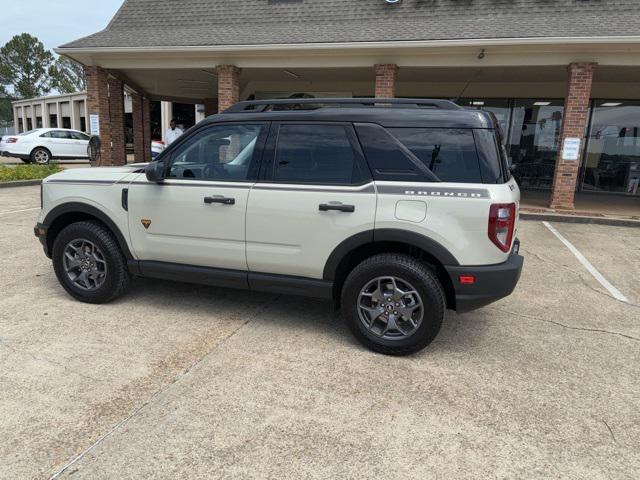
502 221
12 140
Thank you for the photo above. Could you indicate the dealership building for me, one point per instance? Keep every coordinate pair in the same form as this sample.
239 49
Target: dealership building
559 76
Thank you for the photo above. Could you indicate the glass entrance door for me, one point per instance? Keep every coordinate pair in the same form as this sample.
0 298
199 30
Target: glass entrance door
612 158
534 141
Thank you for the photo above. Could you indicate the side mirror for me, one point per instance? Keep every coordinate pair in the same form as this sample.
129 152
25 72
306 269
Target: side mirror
155 171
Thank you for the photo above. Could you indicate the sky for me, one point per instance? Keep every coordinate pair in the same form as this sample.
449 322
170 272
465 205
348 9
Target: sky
55 22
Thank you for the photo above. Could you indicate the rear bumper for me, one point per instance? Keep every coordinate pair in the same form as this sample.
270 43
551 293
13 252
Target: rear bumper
492 282
5 153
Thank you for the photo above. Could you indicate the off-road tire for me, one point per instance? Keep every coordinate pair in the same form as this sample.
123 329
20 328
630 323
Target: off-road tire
417 274
117 277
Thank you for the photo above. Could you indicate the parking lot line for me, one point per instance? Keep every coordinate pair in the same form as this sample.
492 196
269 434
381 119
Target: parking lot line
21 210
615 293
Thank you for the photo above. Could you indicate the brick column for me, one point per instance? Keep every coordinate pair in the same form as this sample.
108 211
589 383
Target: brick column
574 125
210 106
228 86
146 128
138 127
105 98
98 104
386 76
116 112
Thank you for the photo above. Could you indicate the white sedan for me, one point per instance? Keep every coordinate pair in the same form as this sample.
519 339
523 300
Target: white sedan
44 144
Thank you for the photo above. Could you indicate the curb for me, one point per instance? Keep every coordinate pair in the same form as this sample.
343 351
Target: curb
552 217
20 183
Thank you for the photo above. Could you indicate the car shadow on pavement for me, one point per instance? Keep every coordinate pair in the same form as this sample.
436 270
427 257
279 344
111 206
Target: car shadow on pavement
287 312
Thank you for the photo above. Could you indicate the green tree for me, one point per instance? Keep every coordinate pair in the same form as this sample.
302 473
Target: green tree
25 66
6 109
67 76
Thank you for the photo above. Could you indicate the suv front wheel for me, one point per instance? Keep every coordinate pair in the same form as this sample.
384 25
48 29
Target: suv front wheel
393 304
89 264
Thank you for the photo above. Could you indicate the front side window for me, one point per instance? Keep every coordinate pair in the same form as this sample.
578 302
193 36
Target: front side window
319 154
221 152
449 153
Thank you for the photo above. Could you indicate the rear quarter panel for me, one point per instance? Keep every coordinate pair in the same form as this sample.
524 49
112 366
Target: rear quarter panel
457 215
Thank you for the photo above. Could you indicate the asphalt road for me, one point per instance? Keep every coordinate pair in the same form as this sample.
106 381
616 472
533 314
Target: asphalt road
183 381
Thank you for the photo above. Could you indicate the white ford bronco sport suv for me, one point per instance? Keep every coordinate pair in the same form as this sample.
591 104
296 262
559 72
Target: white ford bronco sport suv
395 209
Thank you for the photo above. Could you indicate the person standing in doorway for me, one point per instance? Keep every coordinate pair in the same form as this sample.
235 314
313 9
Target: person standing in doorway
173 132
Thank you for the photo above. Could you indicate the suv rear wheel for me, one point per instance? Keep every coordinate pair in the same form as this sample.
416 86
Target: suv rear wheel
89 264
393 304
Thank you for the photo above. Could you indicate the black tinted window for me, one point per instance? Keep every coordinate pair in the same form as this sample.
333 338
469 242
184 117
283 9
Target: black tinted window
449 153
490 153
315 154
386 157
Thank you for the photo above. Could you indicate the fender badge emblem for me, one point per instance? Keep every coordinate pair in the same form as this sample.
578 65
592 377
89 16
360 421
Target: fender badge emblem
145 222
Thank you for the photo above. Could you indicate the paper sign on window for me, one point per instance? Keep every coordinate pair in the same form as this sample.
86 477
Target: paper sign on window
94 124
571 148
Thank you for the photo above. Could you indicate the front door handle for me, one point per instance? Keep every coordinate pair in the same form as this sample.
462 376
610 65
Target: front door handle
220 199
340 207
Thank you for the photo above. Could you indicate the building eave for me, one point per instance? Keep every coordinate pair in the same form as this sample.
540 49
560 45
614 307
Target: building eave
477 42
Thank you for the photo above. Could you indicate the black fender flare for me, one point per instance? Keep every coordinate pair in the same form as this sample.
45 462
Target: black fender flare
79 207
408 237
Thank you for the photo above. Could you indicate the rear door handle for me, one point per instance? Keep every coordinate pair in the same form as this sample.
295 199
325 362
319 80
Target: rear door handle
220 199
340 207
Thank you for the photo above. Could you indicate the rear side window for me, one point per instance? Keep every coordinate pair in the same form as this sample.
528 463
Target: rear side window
449 153
317 154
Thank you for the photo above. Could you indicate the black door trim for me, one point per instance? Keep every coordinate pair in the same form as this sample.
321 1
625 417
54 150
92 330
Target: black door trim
219 277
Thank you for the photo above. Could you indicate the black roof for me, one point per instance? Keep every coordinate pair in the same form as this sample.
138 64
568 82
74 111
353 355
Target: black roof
387 117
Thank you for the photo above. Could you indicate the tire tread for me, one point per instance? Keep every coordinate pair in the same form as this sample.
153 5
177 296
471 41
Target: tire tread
117 264
417 268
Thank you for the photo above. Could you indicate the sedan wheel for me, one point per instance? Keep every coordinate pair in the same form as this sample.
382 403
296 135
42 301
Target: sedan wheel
41 156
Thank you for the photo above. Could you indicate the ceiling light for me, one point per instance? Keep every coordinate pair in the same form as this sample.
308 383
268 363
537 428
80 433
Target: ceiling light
477 102
611 104
541 104
291 74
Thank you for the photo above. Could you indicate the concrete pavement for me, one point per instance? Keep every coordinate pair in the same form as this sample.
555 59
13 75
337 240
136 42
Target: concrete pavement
177 380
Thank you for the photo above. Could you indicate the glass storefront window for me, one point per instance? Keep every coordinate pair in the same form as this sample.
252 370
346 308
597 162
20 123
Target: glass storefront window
612 158
534 140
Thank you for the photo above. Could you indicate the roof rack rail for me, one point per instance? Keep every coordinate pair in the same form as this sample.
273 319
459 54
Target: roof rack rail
258 106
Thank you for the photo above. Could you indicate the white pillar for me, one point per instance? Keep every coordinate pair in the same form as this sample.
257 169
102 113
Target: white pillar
15 119
34 114
45 115
199 112
75 114
58 115
166 114
86 117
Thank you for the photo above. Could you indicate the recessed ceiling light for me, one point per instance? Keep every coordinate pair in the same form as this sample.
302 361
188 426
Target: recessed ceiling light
611 104
541 104
477 102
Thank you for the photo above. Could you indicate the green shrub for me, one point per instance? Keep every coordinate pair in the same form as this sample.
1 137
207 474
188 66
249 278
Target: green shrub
9 173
